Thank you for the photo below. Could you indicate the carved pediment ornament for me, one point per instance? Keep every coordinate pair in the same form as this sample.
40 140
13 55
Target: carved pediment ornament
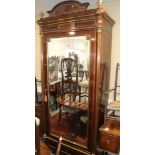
67 7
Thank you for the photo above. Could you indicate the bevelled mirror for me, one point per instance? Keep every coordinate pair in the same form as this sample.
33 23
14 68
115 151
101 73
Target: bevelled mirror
68 82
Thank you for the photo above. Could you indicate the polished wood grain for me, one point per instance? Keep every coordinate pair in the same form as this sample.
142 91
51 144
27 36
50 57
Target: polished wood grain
74 105
109 137
97 26
44 149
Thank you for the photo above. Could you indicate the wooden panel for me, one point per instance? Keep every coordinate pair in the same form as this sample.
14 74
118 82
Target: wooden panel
109 142
64 26
44 149
50 27
109 136
103 140
107 26
105 57
86 23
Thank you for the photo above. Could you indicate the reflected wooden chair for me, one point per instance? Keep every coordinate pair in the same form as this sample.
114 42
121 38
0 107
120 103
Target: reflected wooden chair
82 125
69 72
83 97
84 118
114 105
69 85
83 86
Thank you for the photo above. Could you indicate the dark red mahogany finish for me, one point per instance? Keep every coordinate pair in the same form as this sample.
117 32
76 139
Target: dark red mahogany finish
97 26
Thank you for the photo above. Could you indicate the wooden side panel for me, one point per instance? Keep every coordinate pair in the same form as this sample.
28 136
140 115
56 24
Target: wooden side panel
105 58
106 50
109 142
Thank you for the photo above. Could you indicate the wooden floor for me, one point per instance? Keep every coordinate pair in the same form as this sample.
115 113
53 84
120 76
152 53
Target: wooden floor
67 128
44 150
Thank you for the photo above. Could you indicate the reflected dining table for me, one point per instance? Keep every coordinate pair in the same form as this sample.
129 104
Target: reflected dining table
73 105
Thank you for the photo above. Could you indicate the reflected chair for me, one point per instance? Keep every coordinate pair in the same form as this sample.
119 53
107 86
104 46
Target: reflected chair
83 85
69 84
82 125
83 92
114 106
69 72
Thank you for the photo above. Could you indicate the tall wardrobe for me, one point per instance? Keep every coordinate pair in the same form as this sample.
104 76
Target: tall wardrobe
85 35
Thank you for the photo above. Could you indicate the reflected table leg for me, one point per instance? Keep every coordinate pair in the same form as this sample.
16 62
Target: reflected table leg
60 113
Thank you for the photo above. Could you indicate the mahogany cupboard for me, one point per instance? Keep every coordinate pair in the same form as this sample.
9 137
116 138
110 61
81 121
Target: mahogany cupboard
72 32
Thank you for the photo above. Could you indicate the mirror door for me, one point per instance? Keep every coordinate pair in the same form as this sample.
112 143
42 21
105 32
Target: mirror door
68 87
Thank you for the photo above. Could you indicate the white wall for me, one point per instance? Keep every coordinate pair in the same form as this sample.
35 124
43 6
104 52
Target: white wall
78 45
37 52
113 9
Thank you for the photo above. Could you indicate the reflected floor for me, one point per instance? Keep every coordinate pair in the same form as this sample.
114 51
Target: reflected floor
65 128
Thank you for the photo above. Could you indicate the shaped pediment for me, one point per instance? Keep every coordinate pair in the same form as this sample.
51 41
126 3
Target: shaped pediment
67 7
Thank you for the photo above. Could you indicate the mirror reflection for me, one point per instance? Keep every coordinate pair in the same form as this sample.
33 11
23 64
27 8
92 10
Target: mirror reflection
68 76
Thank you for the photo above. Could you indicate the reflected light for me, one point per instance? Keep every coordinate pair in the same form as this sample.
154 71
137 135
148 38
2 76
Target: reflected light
71 33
